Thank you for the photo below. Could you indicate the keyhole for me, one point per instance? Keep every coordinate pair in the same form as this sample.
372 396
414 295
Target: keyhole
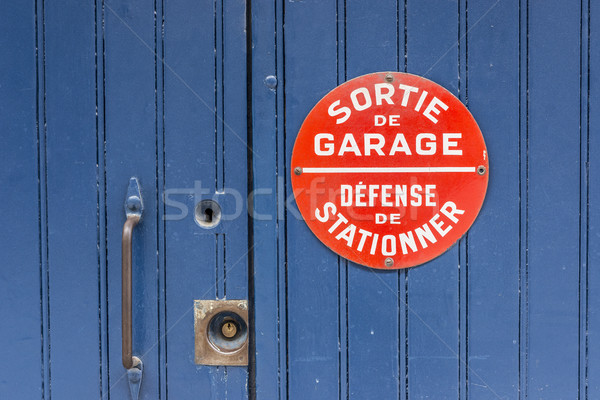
229 329
208 215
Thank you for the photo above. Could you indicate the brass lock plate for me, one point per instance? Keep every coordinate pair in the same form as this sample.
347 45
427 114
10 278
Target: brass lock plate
221 331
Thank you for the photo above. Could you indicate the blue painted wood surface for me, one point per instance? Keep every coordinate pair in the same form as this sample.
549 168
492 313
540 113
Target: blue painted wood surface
71 196
472 323
553 234
130 150
493 266
374 309
23 318
310 71
92 93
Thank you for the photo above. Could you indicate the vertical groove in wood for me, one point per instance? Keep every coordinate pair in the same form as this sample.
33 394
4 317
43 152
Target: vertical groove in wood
101 203
592 364
403 283
401 65
343 362
250 190
282 276
161 297
584 198
343 329
403 311
219 97
463 245
216 89
523 195
43 199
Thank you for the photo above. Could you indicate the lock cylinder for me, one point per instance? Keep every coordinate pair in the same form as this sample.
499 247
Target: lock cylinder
221 330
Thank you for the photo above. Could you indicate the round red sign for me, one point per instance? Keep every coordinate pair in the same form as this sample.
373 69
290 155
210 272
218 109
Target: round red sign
389 170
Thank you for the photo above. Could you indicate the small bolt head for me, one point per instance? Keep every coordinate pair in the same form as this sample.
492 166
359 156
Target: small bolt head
389 77
133 203
298 171
389 262
481 170
271 81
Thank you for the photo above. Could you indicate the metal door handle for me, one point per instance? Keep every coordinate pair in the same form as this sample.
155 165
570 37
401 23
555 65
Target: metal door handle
133 211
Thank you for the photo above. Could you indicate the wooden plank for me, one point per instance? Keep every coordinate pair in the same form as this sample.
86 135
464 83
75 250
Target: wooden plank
190 160
433 319
235 147
234 151
205 150
373 315
553 199
70 80
493 263
130 117
269 234
20 245
312 269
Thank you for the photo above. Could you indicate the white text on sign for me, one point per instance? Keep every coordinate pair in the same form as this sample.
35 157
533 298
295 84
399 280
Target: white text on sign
390 245
387 195
362 99
424 144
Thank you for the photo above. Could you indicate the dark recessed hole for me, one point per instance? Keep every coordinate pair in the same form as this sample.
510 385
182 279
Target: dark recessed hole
207 214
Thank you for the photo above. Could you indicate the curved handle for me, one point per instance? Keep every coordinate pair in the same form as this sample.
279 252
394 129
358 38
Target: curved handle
126 307
133 210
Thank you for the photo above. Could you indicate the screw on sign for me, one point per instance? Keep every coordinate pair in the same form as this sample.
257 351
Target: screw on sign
389 170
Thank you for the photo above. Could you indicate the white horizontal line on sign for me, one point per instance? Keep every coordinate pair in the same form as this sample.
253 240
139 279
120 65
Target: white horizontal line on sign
336 170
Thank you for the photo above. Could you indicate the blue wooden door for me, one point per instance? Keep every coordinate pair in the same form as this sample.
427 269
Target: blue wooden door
203 100
511 310
94 93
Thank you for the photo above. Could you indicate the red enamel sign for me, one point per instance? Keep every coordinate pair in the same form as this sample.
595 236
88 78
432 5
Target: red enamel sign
389 170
